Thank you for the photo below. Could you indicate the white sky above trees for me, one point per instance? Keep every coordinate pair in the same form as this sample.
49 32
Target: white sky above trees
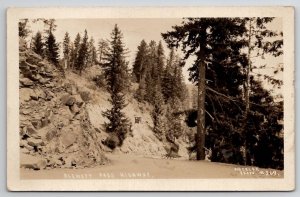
134 30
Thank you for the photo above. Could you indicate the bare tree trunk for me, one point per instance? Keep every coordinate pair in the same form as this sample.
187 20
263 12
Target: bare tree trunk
200 136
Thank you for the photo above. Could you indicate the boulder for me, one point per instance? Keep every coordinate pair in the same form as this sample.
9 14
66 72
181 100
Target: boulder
48 74
64 98
79 101
26 82
30 130
36 77
34 96
68 137
31 66
28 147
43 80
22 63
35 142
23 143
25 94
32 162
62 117
45 121
48 68
48 114
36 123
22 131
74 109
25 111
70 88
70 101
49 85
40 93
25 151
50 94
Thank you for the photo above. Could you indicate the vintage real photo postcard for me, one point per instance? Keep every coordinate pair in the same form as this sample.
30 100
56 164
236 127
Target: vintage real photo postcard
150 99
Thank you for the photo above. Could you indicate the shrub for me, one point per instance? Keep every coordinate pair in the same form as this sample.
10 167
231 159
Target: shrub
85 95
99 81
112 141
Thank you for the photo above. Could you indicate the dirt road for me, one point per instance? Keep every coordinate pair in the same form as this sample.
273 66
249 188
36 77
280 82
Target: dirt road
132 166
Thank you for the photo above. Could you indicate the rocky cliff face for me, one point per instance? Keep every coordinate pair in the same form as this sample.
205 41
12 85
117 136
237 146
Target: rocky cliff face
55 130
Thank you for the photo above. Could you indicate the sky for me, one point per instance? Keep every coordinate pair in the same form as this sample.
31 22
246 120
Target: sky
135 30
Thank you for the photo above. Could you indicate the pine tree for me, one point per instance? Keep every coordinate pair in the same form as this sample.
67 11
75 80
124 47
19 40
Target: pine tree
167 76
92 56
81 60
75 50
52 49
23 28
51 46
140 63
160 61
38 45
153 71
158 113
173 86
50 25
174 128
116 74
258 46
67 50
197 37
102 50
264 141
225 63
178 82
141 91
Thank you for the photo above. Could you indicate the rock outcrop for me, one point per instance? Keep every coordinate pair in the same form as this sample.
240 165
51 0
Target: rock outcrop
54 124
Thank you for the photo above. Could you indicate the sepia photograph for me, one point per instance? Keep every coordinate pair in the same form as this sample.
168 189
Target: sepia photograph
152 98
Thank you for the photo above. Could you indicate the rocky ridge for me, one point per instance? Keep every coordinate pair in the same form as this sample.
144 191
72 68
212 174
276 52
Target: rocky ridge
55 130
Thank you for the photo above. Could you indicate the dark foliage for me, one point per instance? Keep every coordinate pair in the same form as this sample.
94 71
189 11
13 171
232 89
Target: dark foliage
52 49
37 44
116 74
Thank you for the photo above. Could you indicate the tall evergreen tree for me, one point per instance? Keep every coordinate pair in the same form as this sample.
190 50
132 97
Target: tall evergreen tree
75 49
160 61
158 113
67 50
82 55
173 86
116 73
167 76
153 71
49 24
92 54
52 49
51 46
23 28
102 49
141 91
141 60
206 38
38 45
225 61
258 46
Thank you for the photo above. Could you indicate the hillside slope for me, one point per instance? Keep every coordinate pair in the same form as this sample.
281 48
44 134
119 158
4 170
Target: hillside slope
61 121
142 141
55 130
